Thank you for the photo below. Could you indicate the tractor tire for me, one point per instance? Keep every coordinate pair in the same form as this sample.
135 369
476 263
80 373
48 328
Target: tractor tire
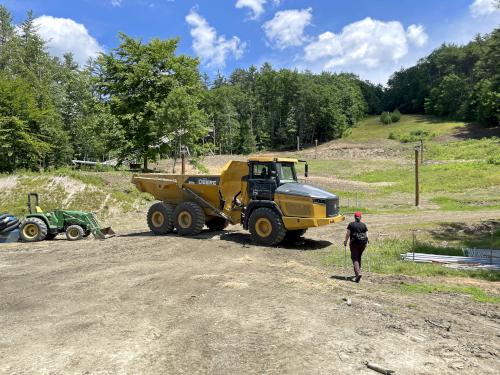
189 219
216 224
266 227
161 218
74 233
33 229
294 235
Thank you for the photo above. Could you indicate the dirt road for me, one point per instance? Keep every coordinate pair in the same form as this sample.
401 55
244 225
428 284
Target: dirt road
140 304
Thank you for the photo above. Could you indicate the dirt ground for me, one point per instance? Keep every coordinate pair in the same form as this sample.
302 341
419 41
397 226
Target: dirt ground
143 304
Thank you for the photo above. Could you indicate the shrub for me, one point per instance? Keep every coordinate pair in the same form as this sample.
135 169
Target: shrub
386 118
390 117
413 136
494 159
396 115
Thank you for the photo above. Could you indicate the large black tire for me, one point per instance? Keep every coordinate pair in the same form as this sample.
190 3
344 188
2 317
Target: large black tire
161 218
189 219
33 229
266 227
74 233
10 226
294 235
217 224
4 222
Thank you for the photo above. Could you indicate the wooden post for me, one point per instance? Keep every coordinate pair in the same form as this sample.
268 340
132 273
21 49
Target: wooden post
417 198
316 148
183 151
298 143
421 151
183 163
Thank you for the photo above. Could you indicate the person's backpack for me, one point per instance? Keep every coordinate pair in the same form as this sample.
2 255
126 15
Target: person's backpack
360 237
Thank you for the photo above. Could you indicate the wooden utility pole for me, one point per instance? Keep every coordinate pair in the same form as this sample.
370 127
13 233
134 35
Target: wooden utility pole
298 143
417 198
183 159
316 148
421 151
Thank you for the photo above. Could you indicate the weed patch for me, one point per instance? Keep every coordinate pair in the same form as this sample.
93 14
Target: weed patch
413 136
476 293
384 258
485 149
449 177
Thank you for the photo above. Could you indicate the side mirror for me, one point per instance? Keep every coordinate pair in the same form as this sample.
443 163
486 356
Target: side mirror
306 170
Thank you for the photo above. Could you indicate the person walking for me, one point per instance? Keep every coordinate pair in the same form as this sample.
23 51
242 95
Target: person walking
358 239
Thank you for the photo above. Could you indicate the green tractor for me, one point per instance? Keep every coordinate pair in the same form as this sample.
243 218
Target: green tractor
40 225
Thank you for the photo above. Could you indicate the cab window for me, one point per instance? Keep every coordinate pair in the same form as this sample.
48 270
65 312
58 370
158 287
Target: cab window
287 173
261 171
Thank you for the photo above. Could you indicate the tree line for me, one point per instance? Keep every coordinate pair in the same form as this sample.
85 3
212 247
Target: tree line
143 101
457 82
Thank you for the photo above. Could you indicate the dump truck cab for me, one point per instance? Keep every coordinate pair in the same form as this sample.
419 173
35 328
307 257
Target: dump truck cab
273 183
263 194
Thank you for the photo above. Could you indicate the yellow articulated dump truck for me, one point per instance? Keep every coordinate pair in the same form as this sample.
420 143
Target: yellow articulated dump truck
263 194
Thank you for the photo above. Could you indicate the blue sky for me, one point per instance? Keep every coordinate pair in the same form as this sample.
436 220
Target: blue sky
367 37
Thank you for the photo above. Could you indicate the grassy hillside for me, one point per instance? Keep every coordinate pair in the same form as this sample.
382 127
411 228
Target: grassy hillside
106 193
371 129
375 170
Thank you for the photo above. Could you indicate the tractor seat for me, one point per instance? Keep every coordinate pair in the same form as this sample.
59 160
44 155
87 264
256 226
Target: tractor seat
38 210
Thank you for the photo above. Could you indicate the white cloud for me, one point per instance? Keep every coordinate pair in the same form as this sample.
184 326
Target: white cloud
65 35
256 7
367 43
416 34
481 8
213 49
116 3
286 29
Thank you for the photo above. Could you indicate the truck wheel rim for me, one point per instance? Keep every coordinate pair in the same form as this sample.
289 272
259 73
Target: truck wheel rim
73 233
158 219
30 231
185 219
263 227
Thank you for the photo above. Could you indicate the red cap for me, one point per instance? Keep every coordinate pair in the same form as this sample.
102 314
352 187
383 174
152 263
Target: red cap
357 214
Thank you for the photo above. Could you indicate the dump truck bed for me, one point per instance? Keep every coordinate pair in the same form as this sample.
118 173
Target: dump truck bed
172 188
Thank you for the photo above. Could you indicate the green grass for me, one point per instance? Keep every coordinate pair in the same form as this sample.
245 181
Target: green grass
372 129
346 169
491 242
413 136
449 177
476 293
469 204
384 258
472 149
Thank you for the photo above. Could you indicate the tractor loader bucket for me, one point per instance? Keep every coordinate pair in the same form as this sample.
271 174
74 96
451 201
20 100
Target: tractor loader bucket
104 233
